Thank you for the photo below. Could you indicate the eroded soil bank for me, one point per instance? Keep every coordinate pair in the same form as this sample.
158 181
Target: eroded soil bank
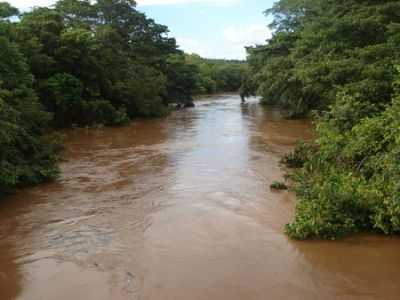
181 209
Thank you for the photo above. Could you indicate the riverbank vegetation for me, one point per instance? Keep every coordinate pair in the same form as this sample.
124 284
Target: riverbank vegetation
337 60
85 63
218 75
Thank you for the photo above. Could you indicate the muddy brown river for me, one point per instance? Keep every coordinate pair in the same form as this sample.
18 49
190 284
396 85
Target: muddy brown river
181 209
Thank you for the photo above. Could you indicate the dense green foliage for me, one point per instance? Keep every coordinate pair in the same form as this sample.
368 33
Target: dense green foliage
338 58
28 152
322 48
218 75
299 156
105 62
101 63
352 182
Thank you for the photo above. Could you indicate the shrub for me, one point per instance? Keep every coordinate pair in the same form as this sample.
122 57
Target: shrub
299 156
352 183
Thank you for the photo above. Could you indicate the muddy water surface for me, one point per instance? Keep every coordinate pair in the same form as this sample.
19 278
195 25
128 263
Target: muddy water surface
180 209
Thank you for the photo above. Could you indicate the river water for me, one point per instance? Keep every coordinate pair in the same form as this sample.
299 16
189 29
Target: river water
181 209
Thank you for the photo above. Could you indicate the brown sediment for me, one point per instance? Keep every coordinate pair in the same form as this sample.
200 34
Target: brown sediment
179 209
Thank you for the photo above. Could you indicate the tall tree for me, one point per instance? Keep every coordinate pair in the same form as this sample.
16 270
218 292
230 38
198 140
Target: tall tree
28 153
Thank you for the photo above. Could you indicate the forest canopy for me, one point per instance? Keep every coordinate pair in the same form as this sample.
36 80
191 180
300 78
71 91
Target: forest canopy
218 75
338 60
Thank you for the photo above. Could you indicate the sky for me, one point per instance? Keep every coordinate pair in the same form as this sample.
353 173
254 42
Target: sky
210 28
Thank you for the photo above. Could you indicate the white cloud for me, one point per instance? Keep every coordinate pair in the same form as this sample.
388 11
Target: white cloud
191 45
236 38
247 36
188 44
24 4
230 45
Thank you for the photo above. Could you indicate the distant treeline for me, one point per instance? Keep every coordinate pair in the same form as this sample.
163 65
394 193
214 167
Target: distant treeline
338 59
86 63
217 75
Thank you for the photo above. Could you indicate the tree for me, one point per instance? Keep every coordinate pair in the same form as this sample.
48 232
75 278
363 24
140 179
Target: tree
28 152
7 11
119 59
182 78
322 47
218 75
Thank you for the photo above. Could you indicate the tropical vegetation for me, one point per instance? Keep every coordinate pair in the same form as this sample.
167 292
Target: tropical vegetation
337 61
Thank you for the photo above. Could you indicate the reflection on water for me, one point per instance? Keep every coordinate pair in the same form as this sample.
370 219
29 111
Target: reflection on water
180 208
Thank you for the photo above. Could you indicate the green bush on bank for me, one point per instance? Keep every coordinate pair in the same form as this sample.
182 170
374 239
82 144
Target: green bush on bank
352 183
296 159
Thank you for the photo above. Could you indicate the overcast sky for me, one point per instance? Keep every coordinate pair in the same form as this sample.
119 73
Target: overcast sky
211 28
